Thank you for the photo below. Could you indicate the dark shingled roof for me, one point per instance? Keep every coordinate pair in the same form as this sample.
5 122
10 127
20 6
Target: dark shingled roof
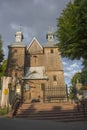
17 44
49 44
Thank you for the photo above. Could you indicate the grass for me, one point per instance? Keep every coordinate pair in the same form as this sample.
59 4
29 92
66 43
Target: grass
3 111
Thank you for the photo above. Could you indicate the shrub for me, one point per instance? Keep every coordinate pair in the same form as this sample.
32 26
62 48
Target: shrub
3 111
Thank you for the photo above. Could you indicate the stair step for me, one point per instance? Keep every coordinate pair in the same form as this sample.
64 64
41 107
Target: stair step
56 118
52 111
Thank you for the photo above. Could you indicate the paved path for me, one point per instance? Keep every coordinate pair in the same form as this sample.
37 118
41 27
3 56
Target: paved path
25 124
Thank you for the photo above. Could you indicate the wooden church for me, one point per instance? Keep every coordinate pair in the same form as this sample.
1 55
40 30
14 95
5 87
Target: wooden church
37 68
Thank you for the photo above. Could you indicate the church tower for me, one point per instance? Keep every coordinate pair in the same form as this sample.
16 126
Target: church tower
53 67
16 57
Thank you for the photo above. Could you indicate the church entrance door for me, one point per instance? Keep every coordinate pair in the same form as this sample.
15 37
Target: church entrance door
36 94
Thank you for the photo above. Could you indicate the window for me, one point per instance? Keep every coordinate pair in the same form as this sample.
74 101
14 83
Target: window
50 37
16 74
27 87
54 78
42 86
51 51
15 51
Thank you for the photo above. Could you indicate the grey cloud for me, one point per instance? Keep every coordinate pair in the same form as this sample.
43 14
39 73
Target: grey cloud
37 14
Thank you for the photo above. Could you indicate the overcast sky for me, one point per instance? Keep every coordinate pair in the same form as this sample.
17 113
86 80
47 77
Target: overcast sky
35 17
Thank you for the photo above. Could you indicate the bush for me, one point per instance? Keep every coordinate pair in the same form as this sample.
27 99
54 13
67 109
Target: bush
3 111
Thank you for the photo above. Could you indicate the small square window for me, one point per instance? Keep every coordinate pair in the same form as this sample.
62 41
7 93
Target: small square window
15 51
50 37
54 78
51 51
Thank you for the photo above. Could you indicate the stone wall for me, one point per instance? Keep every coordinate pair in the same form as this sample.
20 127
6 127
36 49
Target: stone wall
16 61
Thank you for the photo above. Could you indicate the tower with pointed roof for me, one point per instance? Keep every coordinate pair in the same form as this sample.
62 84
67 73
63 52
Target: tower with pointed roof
53 66
16 57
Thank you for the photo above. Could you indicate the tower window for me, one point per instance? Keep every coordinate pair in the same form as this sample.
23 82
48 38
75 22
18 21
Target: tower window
15 51
54 78
16 74
50 37
51 50
42 86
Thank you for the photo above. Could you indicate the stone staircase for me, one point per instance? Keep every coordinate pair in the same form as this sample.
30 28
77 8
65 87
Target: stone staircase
64 112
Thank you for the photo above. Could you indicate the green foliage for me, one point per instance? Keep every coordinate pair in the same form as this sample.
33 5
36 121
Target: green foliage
72 35
1 50
81 77
72 30
85 64
3 111
3 68
84 77
72 92
75 78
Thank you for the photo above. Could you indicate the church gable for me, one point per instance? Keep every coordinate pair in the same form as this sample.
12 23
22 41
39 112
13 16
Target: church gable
35 47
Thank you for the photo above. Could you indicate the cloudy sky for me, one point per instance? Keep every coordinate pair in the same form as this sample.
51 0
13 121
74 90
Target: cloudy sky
35 17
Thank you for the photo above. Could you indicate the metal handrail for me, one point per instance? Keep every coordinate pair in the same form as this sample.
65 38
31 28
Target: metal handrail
15 105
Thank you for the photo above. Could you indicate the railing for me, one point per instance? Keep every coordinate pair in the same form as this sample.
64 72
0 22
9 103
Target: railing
82 107
15 105
54 94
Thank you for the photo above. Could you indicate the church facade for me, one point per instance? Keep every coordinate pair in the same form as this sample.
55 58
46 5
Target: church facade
39 68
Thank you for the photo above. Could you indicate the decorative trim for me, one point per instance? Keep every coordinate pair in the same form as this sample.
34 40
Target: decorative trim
32 43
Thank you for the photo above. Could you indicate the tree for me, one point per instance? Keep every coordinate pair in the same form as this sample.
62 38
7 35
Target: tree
72 30
2 69
1 50
76 77
3 62
73 91
84 72
82 78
